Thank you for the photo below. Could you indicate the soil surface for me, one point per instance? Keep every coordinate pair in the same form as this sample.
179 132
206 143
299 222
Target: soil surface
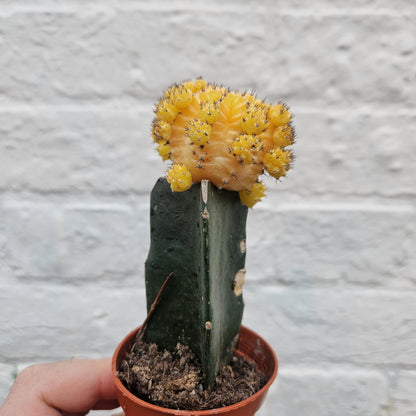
174 380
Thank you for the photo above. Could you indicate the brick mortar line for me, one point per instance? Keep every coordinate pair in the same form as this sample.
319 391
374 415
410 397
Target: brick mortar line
48 286
343 206
61 204
111 7
251 284
321 284
26 193
137 282
130 280
357 290
92 201
81 107
346 367
410 198
49 110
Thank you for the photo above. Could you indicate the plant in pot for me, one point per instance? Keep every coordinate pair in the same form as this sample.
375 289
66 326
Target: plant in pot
219 142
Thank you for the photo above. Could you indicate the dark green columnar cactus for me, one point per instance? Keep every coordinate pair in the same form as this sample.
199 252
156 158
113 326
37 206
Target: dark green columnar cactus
199 236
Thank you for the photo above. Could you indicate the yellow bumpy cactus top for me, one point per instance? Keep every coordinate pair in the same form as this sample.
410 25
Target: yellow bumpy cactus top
229 138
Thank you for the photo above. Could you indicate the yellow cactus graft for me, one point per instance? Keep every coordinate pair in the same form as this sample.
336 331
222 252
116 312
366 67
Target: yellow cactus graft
277 162
164 150
198 131
229 138
252 195
279 115
180 178
161 131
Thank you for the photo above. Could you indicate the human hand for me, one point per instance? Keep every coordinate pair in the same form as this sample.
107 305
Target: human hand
67 388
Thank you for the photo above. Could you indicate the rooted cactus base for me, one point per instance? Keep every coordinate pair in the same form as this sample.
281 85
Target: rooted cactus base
174 380
250 345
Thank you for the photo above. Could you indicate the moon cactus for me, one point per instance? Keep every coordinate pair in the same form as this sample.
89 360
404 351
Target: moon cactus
218 142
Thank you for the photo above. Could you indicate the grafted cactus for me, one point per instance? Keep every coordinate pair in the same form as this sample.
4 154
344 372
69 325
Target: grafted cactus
219 142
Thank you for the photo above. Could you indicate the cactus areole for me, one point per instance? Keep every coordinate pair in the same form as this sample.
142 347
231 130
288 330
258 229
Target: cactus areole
218 142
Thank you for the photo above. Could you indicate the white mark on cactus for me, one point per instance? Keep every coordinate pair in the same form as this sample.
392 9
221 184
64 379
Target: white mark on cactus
205 214
243 245
204 190
239 282
234 342
208 326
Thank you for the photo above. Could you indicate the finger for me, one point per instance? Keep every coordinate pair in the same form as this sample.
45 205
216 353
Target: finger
79 385
73 386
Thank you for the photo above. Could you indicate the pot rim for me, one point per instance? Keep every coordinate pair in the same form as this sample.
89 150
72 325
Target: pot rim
165 410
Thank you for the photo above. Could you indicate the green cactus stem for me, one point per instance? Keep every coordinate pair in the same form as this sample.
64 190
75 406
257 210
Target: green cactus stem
199 236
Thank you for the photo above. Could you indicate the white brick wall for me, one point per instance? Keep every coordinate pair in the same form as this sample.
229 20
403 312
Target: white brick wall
331 251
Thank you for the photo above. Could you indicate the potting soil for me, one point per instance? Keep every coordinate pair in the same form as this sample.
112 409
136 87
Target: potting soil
174 380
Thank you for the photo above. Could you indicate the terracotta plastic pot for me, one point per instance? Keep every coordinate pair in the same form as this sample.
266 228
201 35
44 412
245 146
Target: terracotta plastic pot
250 345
